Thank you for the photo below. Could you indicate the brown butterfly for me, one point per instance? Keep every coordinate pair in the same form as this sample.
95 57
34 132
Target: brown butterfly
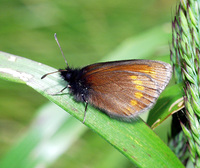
122 89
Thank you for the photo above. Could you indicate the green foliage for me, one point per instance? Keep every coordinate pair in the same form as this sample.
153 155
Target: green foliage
136 141
185 57
87 31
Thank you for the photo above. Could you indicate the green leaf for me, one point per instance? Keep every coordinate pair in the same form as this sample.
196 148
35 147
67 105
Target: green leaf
135 140
169 102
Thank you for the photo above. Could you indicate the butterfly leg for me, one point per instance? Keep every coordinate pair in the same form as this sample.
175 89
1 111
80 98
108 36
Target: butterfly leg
85 107
85 112
68 86
54 94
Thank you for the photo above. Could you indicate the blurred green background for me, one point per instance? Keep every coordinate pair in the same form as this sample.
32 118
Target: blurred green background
87 31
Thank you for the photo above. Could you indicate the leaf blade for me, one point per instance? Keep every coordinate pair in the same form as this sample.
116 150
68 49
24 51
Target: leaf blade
135 140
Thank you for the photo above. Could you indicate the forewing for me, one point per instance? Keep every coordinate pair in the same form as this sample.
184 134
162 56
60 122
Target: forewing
126 88
159 71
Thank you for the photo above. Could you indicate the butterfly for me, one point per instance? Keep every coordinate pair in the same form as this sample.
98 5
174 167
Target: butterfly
122 89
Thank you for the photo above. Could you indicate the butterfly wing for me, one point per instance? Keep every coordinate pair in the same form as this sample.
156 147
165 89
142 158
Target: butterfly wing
123 89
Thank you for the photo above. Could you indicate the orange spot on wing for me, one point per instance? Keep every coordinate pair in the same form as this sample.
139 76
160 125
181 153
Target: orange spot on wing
133 102
133 77
138 95
128 108
127 111
138 82
149 72
138 87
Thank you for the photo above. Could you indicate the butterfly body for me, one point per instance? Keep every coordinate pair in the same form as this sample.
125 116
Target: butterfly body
76 84
122 89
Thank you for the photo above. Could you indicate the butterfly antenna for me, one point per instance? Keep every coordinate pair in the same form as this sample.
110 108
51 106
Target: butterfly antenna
60 70
55 36
49 74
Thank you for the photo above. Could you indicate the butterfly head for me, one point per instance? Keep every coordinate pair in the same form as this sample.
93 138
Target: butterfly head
70 74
